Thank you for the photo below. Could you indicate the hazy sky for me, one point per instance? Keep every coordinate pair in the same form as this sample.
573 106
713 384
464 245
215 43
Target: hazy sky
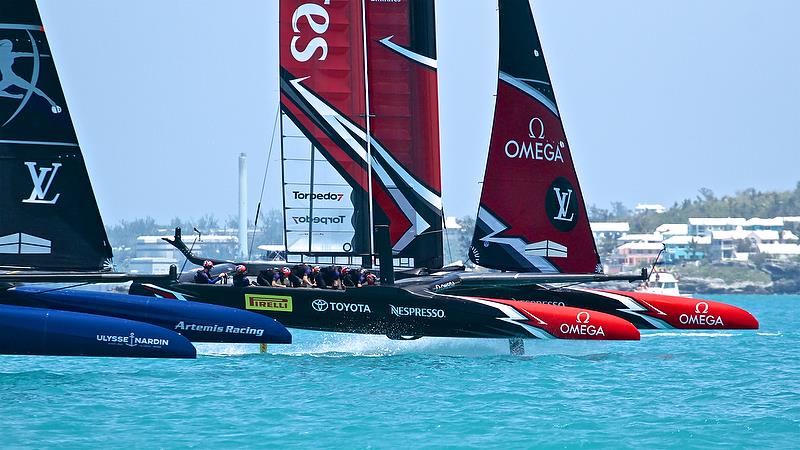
659 98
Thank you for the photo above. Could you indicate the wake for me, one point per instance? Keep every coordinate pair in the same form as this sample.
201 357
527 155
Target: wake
343 345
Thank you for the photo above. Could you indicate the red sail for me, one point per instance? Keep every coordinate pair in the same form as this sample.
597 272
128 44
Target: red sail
532 216
404 113
334 142
326 183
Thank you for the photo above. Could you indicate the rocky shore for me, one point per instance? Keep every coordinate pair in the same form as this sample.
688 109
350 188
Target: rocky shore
776 278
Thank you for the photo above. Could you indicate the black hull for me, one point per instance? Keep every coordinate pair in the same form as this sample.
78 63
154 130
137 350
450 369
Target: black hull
377 310
406 310
433 306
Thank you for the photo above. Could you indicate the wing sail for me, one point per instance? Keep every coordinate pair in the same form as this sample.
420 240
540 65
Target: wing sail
50 218
532 216
323 109
360 123
404 123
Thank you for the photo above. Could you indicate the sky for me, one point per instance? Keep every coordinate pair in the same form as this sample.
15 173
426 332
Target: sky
658 98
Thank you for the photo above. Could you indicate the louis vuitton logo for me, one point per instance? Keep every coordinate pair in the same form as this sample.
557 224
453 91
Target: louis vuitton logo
42 178
563 205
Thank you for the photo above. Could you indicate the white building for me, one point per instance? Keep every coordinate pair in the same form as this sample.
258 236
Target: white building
637 254
704 226
153 255
673 229
756 223
779 250
650 237
609 230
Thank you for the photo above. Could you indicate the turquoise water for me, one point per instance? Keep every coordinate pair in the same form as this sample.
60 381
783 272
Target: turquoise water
709 390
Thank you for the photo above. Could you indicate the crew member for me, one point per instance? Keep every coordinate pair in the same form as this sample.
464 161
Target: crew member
350 277
330 276
240 277
204 276
368 278
317 279
264 277
287 277
298 275
279 278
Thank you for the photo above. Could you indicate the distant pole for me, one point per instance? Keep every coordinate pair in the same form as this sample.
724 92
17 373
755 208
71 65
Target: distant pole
243 205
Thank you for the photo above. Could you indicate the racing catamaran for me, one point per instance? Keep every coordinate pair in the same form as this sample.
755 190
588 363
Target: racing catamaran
548 230
544 238
51 232
359 119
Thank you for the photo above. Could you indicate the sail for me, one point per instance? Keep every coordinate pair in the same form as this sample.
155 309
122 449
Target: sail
532 216
404 123
323 109
359 143
49 214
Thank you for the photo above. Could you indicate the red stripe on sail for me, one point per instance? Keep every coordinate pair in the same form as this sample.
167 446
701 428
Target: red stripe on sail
529 160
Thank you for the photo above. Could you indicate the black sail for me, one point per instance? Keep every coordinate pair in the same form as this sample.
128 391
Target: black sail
49 218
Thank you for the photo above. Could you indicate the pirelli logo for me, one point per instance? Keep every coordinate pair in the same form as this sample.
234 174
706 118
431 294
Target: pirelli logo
258 302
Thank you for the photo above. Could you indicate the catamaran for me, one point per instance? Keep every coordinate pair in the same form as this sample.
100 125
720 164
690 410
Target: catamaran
51 232
360 153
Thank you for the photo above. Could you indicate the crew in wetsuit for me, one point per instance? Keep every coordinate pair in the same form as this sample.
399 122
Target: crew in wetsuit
264 277
299 275
240 277
279 277
351 277
204 276
329 278
316 278
368 278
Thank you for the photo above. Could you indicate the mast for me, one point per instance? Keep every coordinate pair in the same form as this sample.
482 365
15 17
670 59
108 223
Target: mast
242 205
367 120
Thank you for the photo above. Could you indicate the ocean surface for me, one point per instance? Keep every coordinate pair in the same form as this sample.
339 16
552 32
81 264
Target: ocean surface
695 389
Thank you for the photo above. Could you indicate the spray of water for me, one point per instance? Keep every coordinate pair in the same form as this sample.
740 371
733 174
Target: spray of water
310 343
340 345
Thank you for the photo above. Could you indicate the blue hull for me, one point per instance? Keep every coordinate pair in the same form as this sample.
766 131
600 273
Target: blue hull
36 331
198 322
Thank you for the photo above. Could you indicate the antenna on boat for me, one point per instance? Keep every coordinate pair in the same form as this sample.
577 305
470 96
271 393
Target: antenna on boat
655 262
177 236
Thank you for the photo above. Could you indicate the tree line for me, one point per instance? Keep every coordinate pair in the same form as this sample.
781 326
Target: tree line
747 203
268 230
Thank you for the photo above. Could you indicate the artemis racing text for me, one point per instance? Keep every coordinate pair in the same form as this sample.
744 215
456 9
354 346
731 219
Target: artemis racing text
219 329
